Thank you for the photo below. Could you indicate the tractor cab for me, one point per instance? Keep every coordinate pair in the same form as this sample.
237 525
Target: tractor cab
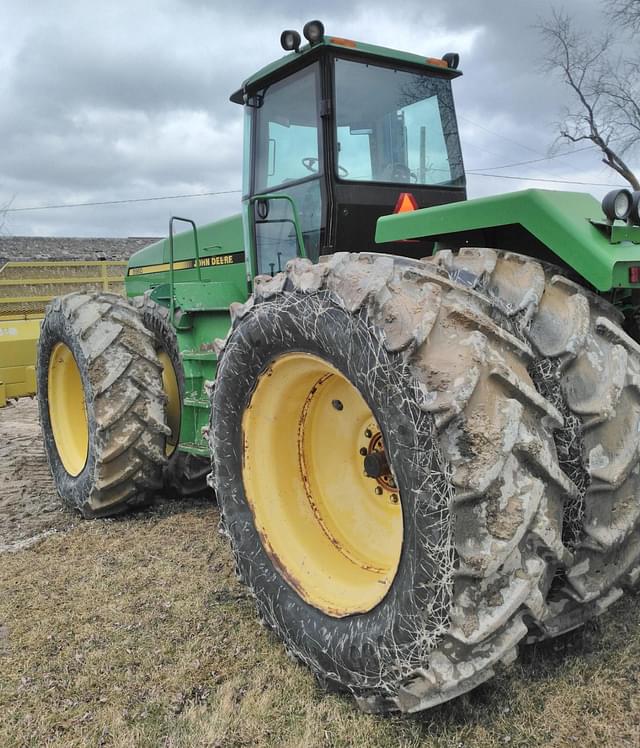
337 134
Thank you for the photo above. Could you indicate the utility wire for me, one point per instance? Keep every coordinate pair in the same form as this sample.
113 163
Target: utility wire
540 179
535 160
117 202
470 172
473 172
497 135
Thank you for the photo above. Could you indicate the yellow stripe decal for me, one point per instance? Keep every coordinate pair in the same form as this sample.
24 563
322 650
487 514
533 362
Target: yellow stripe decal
205 262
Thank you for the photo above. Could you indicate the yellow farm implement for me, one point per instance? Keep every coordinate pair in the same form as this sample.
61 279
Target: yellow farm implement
25 290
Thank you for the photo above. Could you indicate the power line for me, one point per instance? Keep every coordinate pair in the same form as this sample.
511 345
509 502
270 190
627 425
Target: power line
535 160
471 172
117 202
532 161
497 135
540 179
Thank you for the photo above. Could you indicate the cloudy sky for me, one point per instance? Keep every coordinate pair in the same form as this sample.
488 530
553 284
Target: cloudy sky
106 101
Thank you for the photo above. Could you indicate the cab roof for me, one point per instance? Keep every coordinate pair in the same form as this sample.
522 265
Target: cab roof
370 51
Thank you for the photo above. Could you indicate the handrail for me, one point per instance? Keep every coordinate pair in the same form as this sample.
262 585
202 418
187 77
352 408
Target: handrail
172 302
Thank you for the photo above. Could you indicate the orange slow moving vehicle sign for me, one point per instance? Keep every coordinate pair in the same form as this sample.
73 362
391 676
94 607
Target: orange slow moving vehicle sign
406 202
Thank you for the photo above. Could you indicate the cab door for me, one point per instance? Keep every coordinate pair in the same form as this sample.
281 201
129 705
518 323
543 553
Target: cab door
288 170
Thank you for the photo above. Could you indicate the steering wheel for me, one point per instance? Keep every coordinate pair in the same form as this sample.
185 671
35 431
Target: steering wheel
311 164
400 173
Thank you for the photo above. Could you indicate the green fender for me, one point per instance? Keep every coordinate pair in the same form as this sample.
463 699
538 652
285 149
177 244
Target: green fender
570 224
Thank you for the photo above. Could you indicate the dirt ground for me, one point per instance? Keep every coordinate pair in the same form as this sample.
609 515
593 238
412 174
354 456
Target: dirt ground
134 632
29 505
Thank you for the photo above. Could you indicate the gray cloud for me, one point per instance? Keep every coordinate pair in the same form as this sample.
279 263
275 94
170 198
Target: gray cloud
130 99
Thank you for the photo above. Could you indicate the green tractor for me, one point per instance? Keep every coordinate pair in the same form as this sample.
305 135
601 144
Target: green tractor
421 425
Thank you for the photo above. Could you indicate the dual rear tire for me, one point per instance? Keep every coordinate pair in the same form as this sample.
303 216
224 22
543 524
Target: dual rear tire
110 387
405 604
102 404
184 475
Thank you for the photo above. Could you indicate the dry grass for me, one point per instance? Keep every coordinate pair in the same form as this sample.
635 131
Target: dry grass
135 633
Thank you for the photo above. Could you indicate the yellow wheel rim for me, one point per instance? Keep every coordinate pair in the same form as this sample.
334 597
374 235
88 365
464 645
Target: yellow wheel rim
172 391
67 410
334 533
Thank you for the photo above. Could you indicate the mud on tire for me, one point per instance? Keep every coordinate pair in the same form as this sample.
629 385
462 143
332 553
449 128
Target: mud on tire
121 379
590 369
470 441
185 475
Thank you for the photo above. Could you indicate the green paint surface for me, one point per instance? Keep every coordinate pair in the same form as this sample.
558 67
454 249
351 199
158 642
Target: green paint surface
570 224
204 307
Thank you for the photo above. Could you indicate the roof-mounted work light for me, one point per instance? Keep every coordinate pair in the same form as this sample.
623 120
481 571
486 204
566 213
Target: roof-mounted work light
617 205
452 59
313 32
290 40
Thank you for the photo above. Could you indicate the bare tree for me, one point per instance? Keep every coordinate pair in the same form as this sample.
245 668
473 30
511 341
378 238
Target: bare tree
626 13
604 86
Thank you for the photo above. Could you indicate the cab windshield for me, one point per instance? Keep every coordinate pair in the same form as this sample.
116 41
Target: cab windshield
395 126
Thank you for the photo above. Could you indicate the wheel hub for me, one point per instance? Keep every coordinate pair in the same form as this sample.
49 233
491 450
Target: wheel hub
332 528
375 465
67 410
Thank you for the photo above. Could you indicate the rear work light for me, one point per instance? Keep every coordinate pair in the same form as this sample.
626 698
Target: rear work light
634 274
617 204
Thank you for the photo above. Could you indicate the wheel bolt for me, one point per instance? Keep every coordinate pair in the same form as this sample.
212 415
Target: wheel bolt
394 498
363 451
368 433
378 490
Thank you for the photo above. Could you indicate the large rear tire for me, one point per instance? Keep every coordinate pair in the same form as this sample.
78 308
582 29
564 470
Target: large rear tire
101 402
407 608
185 475
590 369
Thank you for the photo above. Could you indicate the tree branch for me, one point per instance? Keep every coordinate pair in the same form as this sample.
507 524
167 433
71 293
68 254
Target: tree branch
606 105
626 13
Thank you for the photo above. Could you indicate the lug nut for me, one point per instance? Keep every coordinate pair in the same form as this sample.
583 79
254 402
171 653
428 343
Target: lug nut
394 498
368 433
363 451
378 490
